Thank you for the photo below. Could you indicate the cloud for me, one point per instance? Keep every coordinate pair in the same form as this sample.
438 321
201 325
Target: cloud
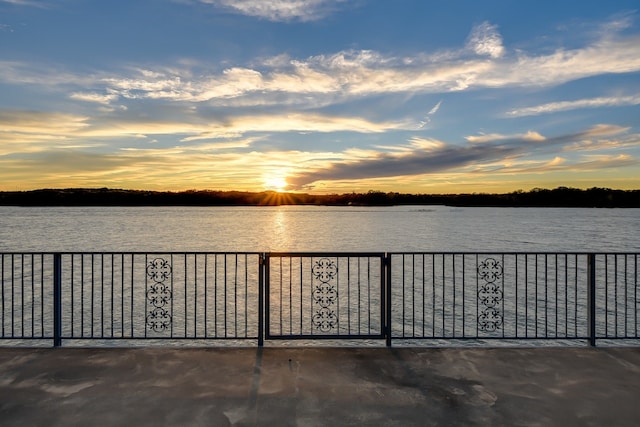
529 136
25 2
280 10
329 79
553 107
26 122
427 119
425 156
31 127
94 97
559 164
423 159
360 73
603 130
485 40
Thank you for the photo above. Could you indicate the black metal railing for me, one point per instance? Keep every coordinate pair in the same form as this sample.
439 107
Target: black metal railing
116 296
325 296
490 296
411 297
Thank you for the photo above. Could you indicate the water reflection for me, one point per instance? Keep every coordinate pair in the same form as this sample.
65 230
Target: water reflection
280 230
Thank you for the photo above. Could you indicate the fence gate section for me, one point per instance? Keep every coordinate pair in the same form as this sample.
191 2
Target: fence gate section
325 296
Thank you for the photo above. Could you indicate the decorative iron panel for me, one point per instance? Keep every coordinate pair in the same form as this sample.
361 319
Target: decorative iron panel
490 295
159 295
324 295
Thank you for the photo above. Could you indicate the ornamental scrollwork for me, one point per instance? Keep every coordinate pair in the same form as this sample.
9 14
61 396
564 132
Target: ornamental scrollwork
159 270
324 270
490 294
490 270
158 319
159 295
325 294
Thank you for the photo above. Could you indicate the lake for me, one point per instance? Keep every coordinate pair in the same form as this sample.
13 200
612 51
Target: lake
212 295
318 228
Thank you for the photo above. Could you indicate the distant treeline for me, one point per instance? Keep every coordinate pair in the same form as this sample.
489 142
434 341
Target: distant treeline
558 197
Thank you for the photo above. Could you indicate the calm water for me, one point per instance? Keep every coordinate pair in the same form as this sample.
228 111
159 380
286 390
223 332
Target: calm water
318 228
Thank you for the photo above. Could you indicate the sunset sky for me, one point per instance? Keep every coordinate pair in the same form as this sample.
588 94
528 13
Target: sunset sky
319 96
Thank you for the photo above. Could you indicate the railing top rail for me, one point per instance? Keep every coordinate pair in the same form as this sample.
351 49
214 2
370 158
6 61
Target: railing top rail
327 253
511 253
321 253
155 252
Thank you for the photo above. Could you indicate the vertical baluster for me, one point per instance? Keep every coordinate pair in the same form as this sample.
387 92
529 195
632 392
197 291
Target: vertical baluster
444 299
113 285
215 295
515 257
301 292
453 281
225 295
626 283
246 296
206 286
57 300
556 297
3 298
92 293
359 286
42 321
235 295
546 297
464 294
102 295
291 296
132 293
195 294
433 295
424 299
186 297
261 290
146 293
591 296
22 295
615 293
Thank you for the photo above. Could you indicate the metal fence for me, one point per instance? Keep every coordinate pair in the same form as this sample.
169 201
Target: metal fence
325 296
129 296
415 298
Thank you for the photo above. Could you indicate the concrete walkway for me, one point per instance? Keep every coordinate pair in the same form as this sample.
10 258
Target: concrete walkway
320 387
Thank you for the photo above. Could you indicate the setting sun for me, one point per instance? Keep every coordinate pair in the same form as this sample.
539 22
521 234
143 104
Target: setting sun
276 183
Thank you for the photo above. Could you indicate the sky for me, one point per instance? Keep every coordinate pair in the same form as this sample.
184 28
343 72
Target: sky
320 96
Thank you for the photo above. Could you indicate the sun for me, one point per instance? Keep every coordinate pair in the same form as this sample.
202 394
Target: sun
276 183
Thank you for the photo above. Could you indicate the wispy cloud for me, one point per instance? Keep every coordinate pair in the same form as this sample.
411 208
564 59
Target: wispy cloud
41 127
25 2
94 97
343 76
554 107
427 119
486 40
529 136
280 10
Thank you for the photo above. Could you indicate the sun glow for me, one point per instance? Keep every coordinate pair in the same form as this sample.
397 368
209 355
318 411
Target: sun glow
276 182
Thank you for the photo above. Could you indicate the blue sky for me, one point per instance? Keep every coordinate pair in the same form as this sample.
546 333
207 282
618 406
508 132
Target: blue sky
320 96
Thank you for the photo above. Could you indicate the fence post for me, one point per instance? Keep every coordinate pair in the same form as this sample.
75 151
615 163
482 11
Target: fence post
57 300
261 285
387 301
591 298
